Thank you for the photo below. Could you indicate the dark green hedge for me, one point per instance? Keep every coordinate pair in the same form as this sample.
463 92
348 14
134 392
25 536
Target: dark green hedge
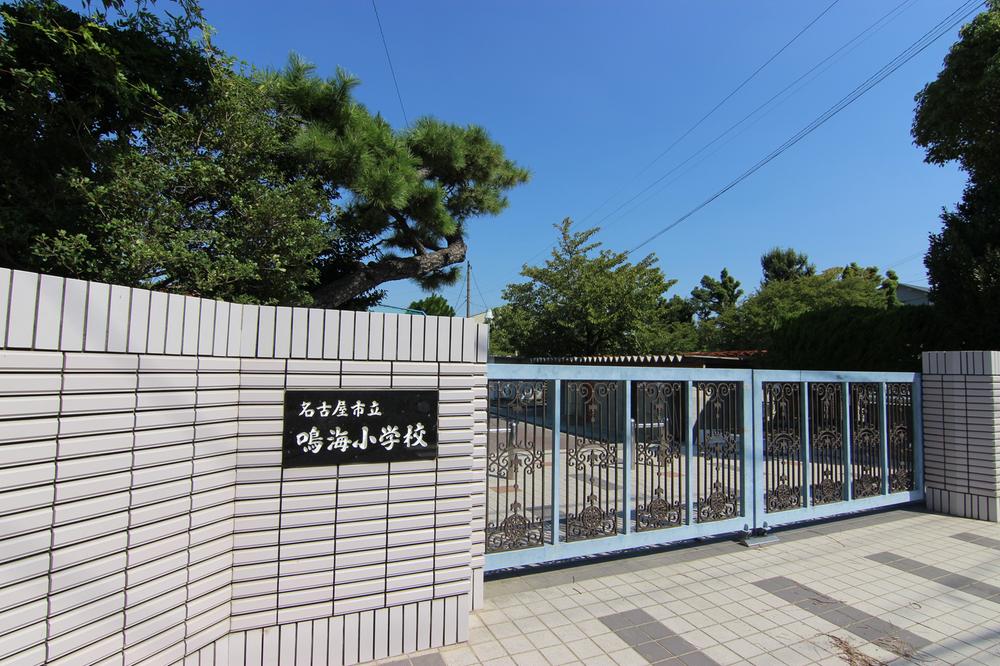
857 338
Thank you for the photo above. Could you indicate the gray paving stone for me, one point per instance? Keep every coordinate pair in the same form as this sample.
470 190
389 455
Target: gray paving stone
677 646
858 622
656 630
653 651
698 659
637 616
632 635
978 539
956 581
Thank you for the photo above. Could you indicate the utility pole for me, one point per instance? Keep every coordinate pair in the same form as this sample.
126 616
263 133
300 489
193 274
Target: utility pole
468 289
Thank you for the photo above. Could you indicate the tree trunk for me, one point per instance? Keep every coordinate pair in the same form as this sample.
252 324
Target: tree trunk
370 275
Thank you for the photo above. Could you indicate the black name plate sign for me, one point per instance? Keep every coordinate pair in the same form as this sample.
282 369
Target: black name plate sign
355 426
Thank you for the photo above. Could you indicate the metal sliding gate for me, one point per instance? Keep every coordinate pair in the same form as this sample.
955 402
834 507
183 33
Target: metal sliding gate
584 460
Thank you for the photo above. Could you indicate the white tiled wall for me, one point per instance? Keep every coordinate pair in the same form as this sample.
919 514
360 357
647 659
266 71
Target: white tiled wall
147 519
961 411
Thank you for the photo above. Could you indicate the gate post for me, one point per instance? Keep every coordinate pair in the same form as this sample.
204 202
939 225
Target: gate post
690 425
883 430
753 453
556 466
807 481
628 494
848 427
960 404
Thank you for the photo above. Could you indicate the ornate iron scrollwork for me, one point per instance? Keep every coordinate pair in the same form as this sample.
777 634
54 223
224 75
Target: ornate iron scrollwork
719 447
518 436
866 445
826 441
782 446
719 505
658 418
899 424
591 418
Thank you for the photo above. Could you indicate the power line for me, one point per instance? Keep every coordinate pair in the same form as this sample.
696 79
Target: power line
392 70
907 259
715 108
905 56
848 46
482 298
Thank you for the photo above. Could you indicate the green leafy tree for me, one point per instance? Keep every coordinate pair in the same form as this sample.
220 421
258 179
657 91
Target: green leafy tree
780 264
435 304
713 297
958 119
77 91
753 323
137 155
410 193
203 207
584 300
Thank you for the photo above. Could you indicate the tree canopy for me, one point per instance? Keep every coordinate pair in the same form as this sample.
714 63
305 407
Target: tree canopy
435 304
138 154
713 297
781 264
958 119
75 92
584 300
752 325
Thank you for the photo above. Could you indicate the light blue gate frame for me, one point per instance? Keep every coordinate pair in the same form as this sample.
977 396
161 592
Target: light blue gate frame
752 514
764 520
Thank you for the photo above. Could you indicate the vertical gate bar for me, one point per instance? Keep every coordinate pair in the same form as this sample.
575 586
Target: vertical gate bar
556 464
917 411
848 478
806 460
690 418
628 495
883 434
753 452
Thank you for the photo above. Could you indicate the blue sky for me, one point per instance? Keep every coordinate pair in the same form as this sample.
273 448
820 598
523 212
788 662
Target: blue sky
586 93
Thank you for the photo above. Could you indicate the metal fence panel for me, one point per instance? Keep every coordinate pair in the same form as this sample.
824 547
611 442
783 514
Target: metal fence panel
587 459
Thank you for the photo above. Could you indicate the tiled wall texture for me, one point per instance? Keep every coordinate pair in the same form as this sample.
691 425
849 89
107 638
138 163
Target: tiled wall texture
961 409
145 514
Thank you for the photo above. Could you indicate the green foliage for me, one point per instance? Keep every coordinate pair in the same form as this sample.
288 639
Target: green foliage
752 325
410 192
713 297
958 119
785 264
957 115
963 264
76 92
584 300
435 304
859 338
135 154
202 207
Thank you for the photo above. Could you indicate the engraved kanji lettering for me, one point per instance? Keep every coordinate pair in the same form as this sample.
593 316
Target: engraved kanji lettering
362 442
311 441
339 439
389 437
415 436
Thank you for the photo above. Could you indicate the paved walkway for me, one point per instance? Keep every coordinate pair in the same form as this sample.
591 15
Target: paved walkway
900 587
